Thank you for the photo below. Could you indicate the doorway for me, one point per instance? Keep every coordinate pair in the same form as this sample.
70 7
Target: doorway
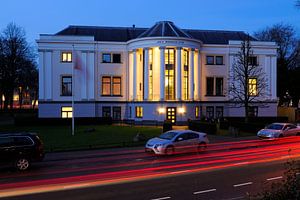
171 114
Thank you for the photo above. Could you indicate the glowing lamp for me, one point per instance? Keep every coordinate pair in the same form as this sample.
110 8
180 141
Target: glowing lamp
181 110
161 110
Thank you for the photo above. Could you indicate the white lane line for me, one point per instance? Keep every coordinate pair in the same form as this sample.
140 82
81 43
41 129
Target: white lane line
242 184
236 198
76 186
274 178
162 198
205 191
180 172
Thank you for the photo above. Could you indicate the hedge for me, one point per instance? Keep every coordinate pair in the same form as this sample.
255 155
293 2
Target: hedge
206 127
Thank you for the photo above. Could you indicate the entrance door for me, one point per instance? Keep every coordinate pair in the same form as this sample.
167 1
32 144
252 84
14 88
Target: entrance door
171 114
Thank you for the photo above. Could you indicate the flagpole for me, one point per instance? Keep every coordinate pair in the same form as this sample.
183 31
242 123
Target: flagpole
73 92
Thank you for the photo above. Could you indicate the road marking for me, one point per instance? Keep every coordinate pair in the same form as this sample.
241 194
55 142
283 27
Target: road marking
242 163
298 173
205 191
242 184
76 186
236 198
274 178
180 172
162 198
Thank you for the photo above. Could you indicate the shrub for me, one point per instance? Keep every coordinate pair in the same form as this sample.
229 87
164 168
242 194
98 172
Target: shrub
206 127
167 126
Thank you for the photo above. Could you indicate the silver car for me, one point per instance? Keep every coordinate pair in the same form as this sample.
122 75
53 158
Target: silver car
177 141
277 130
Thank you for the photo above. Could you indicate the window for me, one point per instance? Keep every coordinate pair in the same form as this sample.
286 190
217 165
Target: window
22 141
253 111
116 58
66 86
111 58
66 112
106 85
116 86
6 141
185 74
66 57
197 111
219 111
219 86
219 60
139 112
252 86
117 113
106 111
151 74
210 60
169 74
253 60
210 112
106 57
111 86
209 86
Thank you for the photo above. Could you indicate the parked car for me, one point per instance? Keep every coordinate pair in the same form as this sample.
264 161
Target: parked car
278 130
177 141
20 149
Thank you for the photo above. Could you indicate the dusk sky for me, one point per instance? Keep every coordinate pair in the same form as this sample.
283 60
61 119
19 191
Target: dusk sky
50 16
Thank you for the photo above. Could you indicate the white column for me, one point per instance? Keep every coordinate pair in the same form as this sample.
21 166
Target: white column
134 74
191 74
146 74
48 75
199 80
162 73
91 76
178 74
82 75
41 75
274 77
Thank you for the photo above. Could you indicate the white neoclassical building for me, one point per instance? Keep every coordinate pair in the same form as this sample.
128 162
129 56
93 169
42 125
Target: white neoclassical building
158 73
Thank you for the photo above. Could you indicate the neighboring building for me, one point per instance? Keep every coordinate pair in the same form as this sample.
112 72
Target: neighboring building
156 73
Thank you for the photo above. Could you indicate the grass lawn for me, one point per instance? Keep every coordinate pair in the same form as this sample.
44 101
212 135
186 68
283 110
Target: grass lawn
59 138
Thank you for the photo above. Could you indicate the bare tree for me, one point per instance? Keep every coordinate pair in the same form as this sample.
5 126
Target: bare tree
15 54
284 36
247 80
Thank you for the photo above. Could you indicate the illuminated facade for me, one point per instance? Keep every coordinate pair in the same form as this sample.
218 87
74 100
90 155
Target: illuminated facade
146 74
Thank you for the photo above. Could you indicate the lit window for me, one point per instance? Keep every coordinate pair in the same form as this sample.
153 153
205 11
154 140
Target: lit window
185 74
66 86
197 111
66 112
106 85
66 57
252 86
151 74
116 86
139 112
169 74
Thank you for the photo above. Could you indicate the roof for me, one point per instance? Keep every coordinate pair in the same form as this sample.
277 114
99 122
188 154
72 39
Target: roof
164 29
160 29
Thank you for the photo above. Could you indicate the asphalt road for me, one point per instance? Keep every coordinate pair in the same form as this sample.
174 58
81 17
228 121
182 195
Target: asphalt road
225 171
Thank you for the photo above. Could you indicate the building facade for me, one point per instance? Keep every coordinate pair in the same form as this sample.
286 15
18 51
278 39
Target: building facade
146 74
